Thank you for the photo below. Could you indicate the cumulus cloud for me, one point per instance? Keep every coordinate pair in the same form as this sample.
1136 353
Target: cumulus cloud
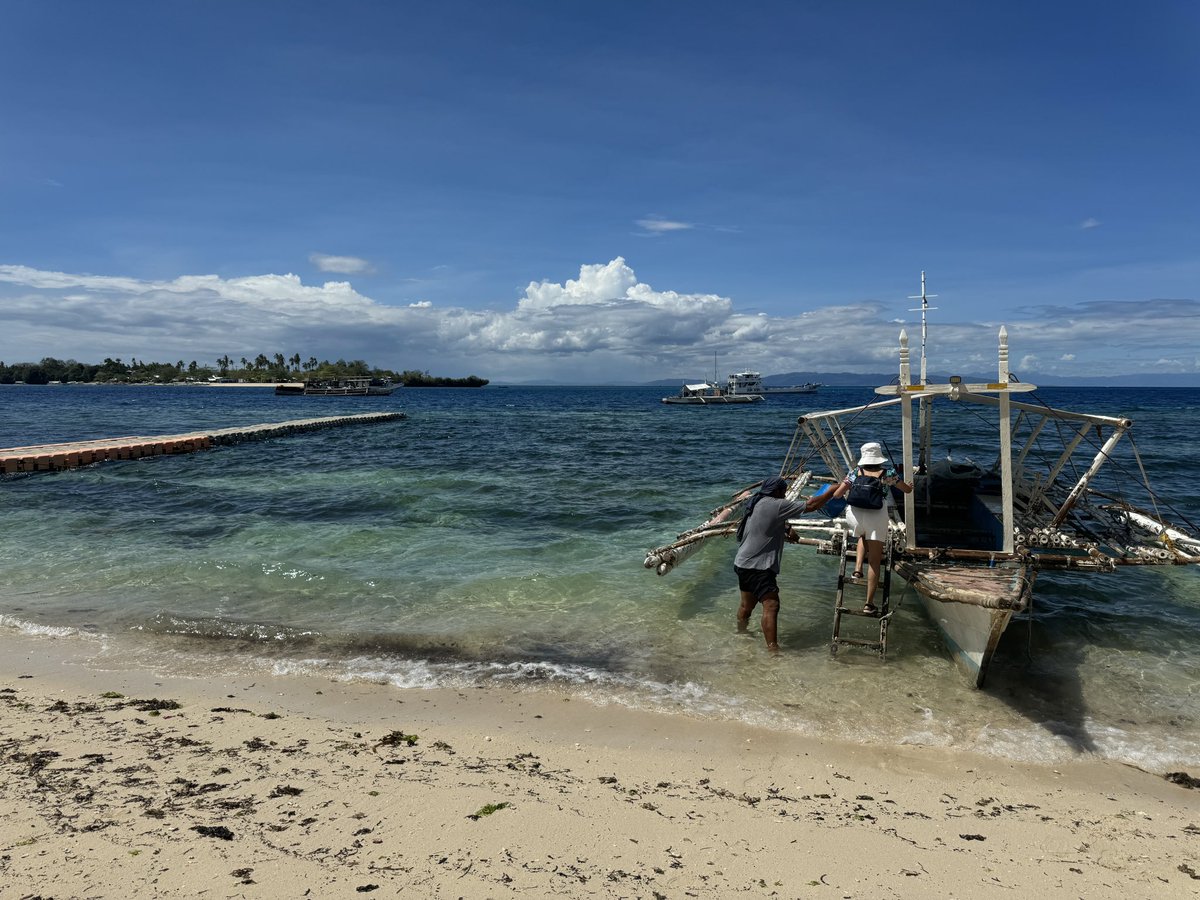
343 265
604 325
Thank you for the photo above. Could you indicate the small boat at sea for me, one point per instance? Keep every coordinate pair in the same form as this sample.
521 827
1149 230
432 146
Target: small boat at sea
970 539
705 394
752 383
352 386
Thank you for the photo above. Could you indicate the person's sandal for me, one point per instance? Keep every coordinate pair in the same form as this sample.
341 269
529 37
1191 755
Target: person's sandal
870 610
856 575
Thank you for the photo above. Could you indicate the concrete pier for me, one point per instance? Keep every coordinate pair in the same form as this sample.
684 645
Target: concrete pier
54 457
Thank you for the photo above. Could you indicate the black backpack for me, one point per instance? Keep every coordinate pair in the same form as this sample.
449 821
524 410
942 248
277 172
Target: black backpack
866 492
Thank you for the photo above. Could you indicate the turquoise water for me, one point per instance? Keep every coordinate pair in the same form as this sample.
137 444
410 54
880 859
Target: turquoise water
497 535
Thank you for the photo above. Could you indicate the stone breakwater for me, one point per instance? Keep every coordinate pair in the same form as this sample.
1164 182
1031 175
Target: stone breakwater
72 454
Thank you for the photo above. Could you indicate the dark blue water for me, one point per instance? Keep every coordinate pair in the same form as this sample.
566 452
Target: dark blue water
498 534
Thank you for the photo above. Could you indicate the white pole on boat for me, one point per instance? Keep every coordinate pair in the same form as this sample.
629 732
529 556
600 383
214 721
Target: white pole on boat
1006 485
923 308
910 529
926 409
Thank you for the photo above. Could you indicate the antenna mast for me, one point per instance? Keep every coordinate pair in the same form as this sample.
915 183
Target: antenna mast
923 425
924 298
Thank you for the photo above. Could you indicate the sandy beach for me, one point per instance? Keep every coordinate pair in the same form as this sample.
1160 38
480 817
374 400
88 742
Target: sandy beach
136 784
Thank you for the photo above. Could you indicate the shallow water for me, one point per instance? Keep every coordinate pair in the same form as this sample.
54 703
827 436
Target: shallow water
498 534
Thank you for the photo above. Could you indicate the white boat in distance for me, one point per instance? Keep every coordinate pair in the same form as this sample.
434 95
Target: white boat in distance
705 394
970 539
752 383
353 386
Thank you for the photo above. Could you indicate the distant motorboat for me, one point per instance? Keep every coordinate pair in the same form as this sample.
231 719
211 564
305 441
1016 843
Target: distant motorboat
705 394
809 387
353 386
752 383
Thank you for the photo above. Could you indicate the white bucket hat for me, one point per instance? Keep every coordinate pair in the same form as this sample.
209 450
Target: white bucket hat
871 454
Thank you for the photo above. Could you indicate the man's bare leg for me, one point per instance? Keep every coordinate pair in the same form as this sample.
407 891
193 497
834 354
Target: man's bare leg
770 616
744 610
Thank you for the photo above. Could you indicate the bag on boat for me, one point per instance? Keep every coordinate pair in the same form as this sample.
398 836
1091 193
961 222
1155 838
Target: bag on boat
866 492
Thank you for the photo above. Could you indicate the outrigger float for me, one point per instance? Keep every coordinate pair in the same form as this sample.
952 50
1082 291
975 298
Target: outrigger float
971 540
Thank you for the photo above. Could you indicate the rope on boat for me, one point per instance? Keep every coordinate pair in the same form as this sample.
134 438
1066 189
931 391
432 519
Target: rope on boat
1163 535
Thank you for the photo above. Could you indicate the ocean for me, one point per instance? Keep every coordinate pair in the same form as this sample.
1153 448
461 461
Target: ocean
496 536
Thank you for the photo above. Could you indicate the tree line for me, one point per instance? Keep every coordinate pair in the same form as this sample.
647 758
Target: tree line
261 368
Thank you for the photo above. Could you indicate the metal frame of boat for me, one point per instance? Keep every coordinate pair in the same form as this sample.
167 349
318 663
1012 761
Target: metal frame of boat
971 541
350 386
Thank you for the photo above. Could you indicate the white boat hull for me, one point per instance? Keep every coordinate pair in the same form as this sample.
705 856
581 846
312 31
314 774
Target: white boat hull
971 606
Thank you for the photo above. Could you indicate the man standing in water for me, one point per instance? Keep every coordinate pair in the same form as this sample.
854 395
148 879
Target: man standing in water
760 549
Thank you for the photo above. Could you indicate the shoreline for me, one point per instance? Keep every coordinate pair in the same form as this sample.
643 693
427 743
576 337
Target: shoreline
264 786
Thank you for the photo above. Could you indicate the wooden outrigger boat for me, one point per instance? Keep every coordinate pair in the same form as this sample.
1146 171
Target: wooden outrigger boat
349 386
705 394
970 541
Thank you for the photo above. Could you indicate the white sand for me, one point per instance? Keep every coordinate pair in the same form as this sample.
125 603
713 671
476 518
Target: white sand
101 798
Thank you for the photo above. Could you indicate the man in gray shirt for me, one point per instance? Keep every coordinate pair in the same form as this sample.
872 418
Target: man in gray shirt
760 549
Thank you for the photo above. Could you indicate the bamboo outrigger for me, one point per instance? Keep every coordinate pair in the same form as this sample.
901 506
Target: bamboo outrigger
969 540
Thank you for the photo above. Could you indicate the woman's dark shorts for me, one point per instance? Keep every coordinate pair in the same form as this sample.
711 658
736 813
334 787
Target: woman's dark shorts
757 582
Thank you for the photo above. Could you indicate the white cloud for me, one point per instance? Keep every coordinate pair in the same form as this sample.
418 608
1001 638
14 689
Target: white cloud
604 325
1089 223
343 265
656 225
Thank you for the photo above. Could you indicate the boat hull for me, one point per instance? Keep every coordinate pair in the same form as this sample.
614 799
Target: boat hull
349 387
348 392
794 389
971 605
721 400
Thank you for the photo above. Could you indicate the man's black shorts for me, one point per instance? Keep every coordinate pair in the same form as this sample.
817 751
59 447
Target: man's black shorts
757 582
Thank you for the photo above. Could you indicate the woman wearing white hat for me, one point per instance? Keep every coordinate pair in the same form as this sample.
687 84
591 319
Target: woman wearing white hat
866 491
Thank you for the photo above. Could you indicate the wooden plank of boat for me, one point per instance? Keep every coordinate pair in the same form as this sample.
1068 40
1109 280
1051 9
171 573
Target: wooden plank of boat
1003 586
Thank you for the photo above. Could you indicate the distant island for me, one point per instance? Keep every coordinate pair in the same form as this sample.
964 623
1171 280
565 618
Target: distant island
262 369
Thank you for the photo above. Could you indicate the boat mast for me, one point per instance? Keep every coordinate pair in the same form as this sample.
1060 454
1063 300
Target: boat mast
1006 476
910 527
924 423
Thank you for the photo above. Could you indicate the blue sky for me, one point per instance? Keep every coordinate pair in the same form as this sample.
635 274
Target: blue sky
597 192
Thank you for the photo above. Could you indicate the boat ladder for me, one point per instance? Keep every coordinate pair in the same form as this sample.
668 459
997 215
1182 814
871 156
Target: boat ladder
852 595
